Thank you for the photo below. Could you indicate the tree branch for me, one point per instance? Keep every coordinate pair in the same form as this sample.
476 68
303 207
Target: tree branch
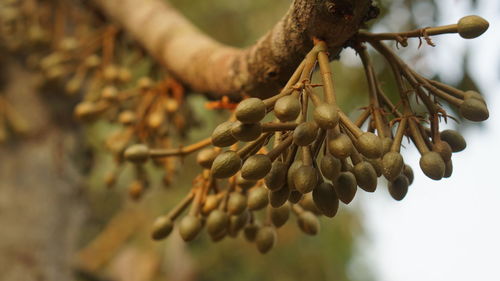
213 68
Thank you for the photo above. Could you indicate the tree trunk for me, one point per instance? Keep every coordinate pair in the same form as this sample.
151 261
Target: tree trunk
41 202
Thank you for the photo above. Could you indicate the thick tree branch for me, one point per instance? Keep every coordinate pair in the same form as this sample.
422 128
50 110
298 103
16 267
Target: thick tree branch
211 67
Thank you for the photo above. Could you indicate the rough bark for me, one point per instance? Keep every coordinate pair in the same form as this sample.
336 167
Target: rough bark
41 208
211 67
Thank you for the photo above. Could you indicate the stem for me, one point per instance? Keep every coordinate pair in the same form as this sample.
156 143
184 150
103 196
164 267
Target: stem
275 126
398 138
407 73
314 98
449 98
288 89
326 74
402 36
305 106
307 159
388 102
355 156
362 118
417 137
183 151
291 156
181 206
276 151
447 88
310 62
425 135
355 130
372 89
396 70
195 207
316 147
256 144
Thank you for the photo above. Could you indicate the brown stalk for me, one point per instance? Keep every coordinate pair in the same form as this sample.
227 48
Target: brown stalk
183 151
326 74
372 89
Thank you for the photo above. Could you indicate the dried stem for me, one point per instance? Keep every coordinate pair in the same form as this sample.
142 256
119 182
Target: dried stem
181 206
183 151
372 89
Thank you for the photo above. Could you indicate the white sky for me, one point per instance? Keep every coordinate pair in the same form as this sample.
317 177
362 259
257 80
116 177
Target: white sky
448 229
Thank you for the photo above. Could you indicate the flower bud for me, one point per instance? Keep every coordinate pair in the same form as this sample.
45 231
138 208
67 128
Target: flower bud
250 110
189 227
287 108
472 26
137 153
226 164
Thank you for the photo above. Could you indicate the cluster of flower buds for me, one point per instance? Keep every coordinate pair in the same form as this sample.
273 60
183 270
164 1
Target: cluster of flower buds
149 112
22 25
311 156
37 30
78 59
294 154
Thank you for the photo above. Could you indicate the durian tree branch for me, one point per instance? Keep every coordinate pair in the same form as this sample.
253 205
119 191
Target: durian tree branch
218 70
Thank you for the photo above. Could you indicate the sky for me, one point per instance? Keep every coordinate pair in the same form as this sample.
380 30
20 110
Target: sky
448 229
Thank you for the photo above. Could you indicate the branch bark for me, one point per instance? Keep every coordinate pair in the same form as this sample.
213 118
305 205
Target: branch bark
216 69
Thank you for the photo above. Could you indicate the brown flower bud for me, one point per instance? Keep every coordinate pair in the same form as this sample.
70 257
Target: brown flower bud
265 239
366 177
162 227
308 223
226 164
256 167
432 165
370 145
326 116
278 198
346 187
250 110
454 139
237 203
246 132
330 167
474 110
305 178
276 177
137 153
206 157
279 216
399 187
250 232
217 222
340 146
189 227
222 136
257 198
287 108
305 133
392 164
472 26
326 199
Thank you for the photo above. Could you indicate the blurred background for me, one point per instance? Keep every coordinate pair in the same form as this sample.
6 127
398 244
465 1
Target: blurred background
445 230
